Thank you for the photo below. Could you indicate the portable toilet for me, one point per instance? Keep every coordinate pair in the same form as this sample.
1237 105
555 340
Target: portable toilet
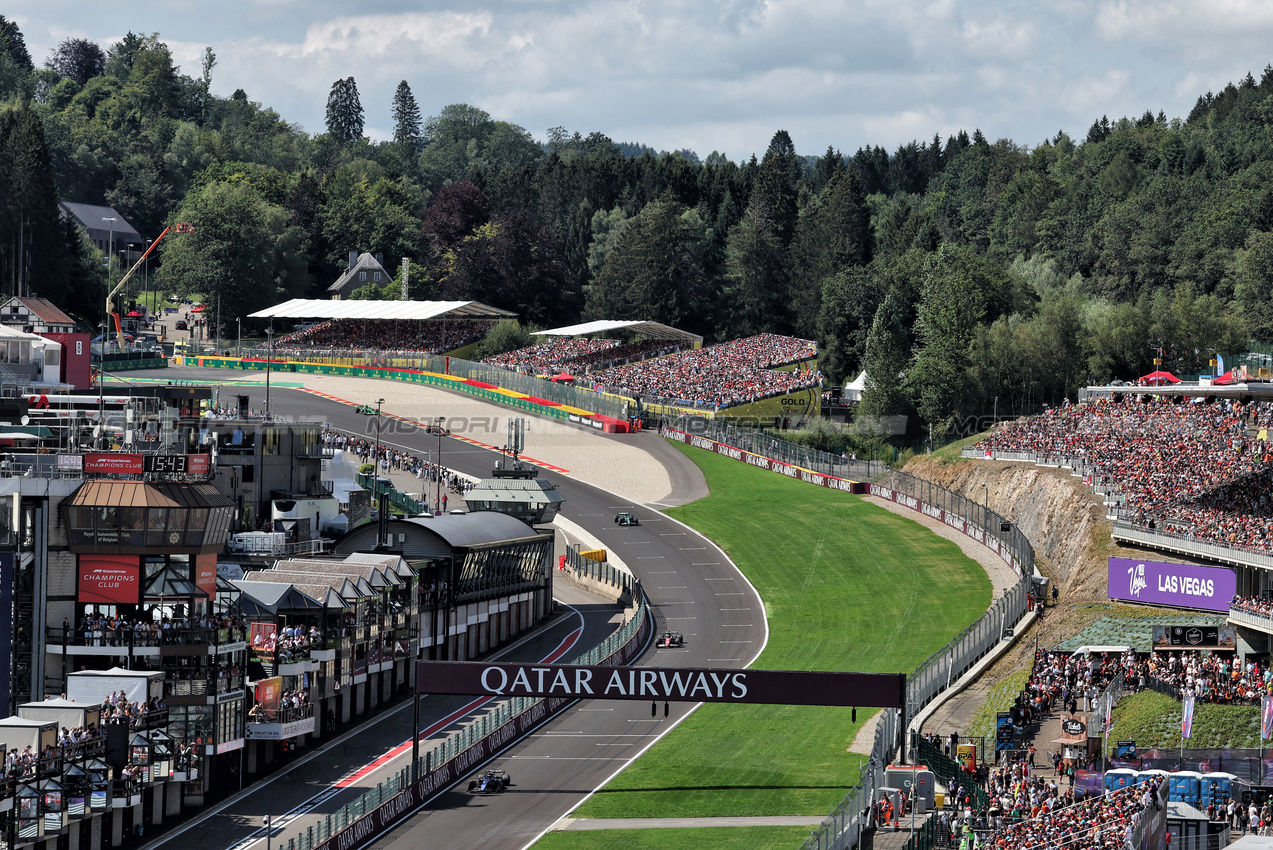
919 777
1184 787
1215 788
1122 777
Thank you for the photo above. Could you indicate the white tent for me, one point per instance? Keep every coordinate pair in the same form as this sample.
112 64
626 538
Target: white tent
66 713
97 685
853 391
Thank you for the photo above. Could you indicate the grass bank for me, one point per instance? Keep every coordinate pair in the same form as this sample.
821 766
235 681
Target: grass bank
847 586
1153 720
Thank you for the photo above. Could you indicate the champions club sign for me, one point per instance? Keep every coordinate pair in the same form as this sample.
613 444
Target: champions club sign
667 684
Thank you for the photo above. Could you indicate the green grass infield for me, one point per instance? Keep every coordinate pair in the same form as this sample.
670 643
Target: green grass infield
847 586
694 838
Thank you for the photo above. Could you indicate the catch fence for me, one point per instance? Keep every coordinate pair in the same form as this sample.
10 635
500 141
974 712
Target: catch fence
847 823
844 827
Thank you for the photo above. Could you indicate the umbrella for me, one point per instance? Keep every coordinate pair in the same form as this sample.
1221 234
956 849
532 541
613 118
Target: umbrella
198 308
564 378
133 314
1159 377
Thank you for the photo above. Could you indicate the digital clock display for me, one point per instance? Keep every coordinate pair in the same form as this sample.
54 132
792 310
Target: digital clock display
172 464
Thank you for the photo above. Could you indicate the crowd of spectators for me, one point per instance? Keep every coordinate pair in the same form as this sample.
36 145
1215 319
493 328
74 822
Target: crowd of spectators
580 357
1223 679
1095 823
391 458
291 705
554 354
1191 468
717 376
151 629
403 336
118 708
1262 605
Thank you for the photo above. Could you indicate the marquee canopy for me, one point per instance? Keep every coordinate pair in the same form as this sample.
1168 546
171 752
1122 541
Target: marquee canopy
320 308
653 330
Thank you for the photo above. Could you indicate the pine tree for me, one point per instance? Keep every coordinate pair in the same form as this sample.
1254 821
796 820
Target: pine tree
407 123
344 111
13 45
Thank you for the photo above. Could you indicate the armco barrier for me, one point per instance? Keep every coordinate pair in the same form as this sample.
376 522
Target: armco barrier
379 809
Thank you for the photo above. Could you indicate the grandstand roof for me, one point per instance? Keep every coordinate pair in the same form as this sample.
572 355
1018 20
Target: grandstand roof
320 308
654 330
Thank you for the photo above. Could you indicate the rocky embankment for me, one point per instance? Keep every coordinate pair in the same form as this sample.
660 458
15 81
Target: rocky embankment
1064 520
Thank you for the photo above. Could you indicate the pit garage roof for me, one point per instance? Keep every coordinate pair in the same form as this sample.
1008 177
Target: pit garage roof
320 308
653 330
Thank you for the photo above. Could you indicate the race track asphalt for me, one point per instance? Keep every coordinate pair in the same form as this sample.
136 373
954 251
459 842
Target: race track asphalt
693 589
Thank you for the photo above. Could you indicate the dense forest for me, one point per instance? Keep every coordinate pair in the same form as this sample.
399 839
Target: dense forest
955 272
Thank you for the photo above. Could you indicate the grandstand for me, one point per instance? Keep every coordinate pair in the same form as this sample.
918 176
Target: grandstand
387 327
1198 468
669 368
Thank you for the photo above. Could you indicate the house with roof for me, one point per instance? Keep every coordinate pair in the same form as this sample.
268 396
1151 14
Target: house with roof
106 227
40 316
35 315
362 270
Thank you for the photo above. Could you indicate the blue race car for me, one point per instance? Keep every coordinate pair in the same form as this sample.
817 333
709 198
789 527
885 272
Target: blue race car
490 782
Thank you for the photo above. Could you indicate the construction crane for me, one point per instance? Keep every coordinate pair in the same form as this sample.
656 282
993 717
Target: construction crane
181 227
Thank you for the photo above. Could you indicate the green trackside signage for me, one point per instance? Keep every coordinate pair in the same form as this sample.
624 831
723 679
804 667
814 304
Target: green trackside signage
411 376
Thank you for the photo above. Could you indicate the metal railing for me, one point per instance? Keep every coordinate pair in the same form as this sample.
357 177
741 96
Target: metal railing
602 571
1130 532
379 486
1187 544
1263 622
1105 702
264 544
847 822
457 743
1151 823
948 770
130 637
776 448
948 664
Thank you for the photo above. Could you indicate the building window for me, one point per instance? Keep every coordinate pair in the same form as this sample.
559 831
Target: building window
362 277
377 277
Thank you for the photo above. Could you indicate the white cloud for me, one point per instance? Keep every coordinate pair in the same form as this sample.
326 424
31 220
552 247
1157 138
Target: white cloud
722 74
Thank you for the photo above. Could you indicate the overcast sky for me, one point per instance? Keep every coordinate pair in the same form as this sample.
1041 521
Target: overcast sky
707 74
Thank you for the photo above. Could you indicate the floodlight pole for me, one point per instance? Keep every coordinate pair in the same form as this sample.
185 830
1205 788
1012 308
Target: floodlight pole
376 459
438 507
269 333
415 732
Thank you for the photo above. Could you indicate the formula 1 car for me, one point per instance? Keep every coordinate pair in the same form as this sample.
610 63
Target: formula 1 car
365 410
490 782
626 518
670 639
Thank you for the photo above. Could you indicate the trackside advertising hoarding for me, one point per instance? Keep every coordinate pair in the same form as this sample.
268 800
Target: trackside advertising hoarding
1178 585
760 461
670 684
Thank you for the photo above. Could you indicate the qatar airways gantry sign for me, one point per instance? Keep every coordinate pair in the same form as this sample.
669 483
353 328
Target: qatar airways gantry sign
665 684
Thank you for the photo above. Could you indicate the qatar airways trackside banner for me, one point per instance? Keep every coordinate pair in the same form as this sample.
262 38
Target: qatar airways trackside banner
671 684
1179 585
